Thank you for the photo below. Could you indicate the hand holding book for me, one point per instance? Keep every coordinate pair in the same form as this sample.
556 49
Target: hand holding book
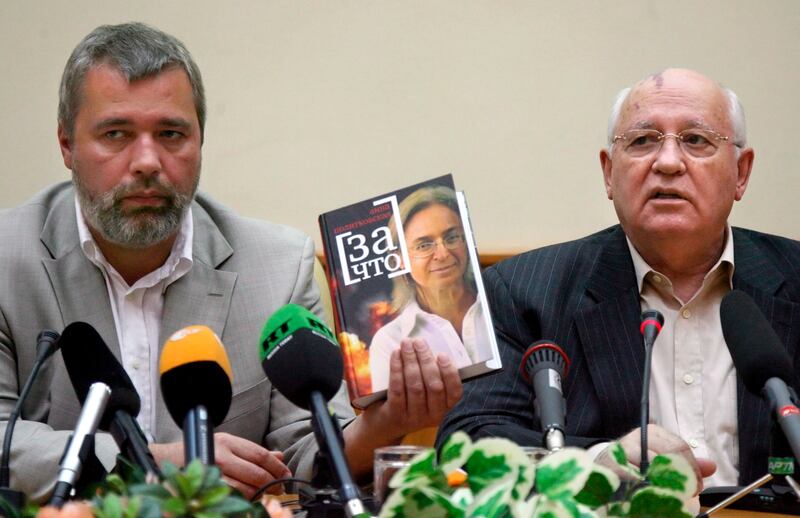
423 387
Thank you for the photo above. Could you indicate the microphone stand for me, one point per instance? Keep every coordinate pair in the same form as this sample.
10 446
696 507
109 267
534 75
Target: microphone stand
47 343
328 442
644 462
652 320
781 466
736 496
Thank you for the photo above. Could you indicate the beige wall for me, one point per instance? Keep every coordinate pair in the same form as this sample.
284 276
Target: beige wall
314 105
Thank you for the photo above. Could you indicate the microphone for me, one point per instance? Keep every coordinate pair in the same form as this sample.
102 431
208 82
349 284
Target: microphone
652 322
196 381
88 360
544 365
81 445
762 361
46 345
295 341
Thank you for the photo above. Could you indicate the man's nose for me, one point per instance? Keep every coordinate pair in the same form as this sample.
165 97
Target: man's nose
670 158
145 156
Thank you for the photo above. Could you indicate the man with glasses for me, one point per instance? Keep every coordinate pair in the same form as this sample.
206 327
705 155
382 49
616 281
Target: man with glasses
677 159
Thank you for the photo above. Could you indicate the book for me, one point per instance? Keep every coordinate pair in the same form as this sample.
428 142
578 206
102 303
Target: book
404 265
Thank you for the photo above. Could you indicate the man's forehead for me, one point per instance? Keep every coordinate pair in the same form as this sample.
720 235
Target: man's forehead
676 93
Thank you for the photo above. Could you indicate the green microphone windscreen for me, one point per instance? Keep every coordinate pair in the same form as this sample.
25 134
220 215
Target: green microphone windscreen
299 355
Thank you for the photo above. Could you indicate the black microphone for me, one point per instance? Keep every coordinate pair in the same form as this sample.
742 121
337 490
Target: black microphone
80 447
652 322
302 360
196 382
88 360
761 361
544 365
46 345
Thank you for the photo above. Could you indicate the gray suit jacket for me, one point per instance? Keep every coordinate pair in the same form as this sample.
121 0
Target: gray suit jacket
243 271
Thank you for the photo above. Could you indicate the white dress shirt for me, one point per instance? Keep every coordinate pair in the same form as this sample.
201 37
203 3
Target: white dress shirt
693 381
138 309
438 332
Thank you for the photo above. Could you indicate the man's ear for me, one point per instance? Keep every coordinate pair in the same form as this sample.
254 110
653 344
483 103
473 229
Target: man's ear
605 164
744 167
65 143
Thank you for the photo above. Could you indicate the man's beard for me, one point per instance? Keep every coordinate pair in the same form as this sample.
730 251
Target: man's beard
134 228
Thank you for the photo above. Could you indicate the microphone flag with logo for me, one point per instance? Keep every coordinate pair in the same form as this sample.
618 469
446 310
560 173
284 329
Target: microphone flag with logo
197 385
300 355
301 358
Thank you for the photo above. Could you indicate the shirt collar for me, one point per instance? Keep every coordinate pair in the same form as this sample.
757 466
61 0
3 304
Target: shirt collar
178 263
408 317
641 267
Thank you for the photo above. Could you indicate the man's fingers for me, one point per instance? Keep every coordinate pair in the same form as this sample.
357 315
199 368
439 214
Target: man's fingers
452 381
247 491
249 464
435 396
660 441
271 461
707 466
397 391
416 405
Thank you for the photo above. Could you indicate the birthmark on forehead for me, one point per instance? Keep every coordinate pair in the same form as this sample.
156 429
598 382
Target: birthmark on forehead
659 79
636 106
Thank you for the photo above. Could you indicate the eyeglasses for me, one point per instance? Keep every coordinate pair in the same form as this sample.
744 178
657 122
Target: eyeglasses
697 142
425 248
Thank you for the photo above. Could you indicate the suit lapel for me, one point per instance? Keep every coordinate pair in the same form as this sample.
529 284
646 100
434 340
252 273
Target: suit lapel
202 296
78 285
758 278
608 329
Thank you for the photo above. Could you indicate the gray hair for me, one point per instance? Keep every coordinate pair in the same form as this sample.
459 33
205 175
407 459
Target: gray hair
403 287
135 49
735 113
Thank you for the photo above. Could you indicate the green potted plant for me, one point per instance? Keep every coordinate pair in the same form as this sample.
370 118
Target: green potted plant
493 478
196 491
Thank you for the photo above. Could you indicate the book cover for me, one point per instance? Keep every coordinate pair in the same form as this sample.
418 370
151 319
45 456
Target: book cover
404 265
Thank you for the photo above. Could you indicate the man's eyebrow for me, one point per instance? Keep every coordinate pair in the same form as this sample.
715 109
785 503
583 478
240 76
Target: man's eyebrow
693 123
175 123
114 121
697 123
645 124
170 122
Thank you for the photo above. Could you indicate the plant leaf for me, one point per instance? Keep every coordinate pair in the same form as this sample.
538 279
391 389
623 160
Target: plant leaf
150 509
564 472
112 506
621 458
673 472
483 470
231 505
494 501
152 490
406 502
653 502
422 467
174 506
215 495
455 452
597 491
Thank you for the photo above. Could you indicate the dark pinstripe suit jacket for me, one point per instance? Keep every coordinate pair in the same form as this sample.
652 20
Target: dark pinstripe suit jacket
583 296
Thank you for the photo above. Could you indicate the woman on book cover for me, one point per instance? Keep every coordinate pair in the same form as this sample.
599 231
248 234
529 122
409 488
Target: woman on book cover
438 300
